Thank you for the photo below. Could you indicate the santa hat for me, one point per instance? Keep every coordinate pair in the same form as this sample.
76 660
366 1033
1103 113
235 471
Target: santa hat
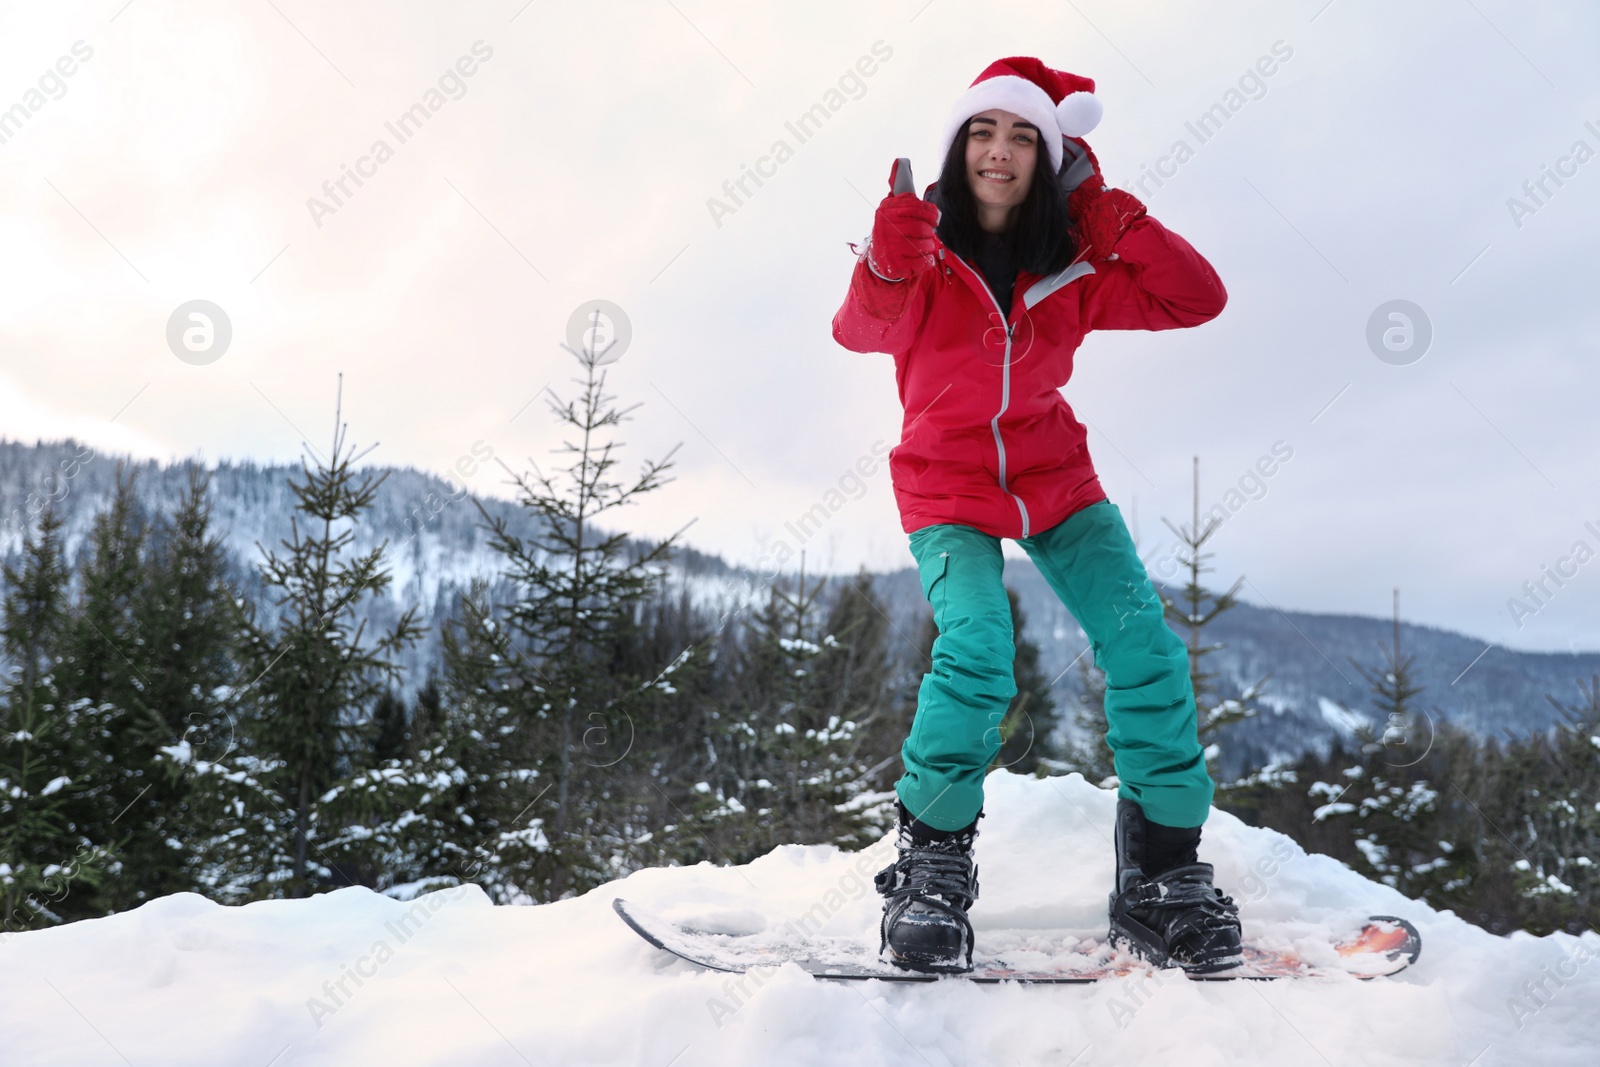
1053 100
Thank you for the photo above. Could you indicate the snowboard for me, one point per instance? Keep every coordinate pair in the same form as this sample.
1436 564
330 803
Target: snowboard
1379 945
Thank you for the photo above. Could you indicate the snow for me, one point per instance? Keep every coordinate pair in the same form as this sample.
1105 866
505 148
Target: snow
352 977
1345 720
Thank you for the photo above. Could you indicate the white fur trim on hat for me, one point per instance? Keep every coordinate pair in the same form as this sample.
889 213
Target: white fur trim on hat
1078 113
1009 92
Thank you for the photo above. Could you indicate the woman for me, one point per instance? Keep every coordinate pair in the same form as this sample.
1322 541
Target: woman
983 292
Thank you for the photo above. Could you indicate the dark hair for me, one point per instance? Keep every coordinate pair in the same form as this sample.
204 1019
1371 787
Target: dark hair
1045 240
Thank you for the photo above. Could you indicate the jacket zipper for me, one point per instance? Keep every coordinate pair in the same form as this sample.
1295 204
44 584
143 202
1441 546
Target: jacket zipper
1005 391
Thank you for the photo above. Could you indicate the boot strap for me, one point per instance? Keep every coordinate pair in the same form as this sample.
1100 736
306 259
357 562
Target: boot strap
1201 905
941 875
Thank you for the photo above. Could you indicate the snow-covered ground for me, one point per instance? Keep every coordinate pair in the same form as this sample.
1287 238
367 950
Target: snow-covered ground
353 978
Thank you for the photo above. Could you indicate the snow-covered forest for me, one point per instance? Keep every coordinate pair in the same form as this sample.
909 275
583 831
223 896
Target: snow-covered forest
167 730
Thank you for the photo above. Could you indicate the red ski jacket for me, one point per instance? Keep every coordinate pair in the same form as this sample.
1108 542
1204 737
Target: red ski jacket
987 439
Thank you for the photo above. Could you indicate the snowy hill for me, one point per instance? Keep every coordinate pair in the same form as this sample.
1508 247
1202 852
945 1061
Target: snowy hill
356 978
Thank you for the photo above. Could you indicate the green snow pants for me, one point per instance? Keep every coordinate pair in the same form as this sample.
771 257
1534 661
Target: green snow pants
1090 562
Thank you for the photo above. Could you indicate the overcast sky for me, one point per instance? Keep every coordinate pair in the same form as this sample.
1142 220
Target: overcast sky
1383 158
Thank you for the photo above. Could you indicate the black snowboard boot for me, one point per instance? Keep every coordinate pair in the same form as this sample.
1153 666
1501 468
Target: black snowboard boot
1164 907
927 892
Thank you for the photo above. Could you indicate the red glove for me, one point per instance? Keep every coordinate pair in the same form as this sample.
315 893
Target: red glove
903 242
1101 214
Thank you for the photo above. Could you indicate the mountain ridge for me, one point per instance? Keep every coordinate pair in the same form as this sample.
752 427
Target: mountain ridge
437 546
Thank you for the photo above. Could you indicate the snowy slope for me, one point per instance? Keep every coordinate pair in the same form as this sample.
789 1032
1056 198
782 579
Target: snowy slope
451 979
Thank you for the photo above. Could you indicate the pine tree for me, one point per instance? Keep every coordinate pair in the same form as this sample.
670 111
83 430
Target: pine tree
108 667
576 594
142 650
315 673
1398 816
1191 612
103 645
48 763
794 774
190 620
1554 820
1393 688
863 686
391 732
460 805
807 692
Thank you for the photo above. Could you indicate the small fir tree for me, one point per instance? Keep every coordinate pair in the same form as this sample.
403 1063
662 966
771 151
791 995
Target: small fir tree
576 591
1190 613
315 672
1398 815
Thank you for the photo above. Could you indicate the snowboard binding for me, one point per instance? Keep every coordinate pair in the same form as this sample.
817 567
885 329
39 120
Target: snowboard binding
927 892
1174 917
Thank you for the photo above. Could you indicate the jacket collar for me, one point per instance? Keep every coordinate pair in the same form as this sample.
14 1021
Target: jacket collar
1034 287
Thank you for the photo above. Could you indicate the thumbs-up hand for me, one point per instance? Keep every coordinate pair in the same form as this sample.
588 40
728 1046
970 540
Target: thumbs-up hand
904 241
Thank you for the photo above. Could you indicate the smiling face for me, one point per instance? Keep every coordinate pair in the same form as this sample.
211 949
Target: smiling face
1002 151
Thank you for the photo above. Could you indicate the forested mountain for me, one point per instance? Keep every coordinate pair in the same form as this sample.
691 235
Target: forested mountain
438 545
262 681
